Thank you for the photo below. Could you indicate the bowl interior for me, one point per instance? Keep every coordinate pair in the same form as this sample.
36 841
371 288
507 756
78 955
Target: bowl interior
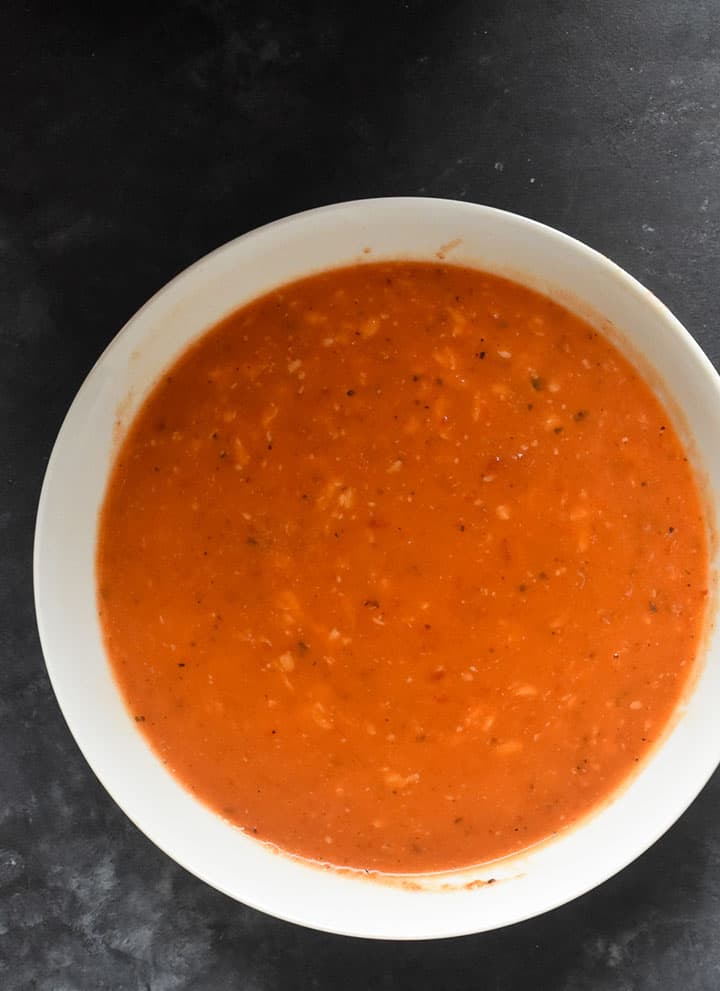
74 487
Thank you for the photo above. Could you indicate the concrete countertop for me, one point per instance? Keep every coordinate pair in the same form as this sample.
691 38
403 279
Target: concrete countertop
135 138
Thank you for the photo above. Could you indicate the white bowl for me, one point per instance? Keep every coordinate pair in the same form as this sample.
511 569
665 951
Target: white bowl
527 884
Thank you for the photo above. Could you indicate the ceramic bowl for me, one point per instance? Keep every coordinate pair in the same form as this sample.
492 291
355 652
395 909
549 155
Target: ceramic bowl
64 563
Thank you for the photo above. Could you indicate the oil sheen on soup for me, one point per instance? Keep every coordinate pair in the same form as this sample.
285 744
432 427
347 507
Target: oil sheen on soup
402 567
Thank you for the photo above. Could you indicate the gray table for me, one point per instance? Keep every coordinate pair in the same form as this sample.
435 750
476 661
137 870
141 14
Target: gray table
134 141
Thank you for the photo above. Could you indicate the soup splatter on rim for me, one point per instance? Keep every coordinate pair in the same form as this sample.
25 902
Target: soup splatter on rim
402 567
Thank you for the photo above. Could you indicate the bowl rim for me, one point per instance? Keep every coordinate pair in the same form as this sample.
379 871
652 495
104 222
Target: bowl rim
693 784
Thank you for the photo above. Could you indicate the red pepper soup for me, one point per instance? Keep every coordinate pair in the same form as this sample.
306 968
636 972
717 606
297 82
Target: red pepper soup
402 567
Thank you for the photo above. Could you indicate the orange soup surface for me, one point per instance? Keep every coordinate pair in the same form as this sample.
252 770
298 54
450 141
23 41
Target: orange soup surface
402 567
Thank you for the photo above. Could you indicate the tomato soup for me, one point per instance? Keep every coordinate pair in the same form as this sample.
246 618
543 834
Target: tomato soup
402 567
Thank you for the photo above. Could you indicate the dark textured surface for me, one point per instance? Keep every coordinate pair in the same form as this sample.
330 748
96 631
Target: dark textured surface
135 139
